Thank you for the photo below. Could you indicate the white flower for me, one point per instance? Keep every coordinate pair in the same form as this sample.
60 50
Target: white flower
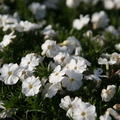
106 116
77 109
72 81
8 22
51 90
49 32
107 94
30 61
31 86
72 3
77 64
99 20
109 4
50 48
24 73
62 58
111 29
57 75
114 58
96 75
80 23
103 61
9 74
72 44
38 10
25 26
67 103
7 39
117 4
85 111
117 46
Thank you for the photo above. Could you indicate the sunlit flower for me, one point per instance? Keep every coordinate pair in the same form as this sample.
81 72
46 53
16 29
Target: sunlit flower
80 23
107 94
50 48
72 81
30 61
99 20
31 86
7 39
9 74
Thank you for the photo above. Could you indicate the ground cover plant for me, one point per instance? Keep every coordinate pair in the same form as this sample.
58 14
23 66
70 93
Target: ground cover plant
60 59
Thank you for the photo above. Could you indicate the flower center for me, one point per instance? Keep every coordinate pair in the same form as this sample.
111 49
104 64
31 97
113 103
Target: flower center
9 73
83 113
72 79
30 86
50 46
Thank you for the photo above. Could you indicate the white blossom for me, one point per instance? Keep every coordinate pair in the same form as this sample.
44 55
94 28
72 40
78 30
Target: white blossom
50 48
9 74
38 10
31 86
30 61
72 3
107 94
57 75
99 20
72 81
7 39
81 22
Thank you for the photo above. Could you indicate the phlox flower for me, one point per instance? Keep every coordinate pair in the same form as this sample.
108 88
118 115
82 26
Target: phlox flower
107 94
72 81
31 86
57 75
99 20
50 48
81 22
9 73
30 61
7 39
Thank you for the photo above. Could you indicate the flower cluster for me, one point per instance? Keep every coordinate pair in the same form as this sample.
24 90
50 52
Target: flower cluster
61 56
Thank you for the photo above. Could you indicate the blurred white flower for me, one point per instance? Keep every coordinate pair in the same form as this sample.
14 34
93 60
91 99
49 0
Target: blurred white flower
72 81
106 116
9 74
8 22
114 58
48 32
31 86
117 46
50 90
57 75
50 48
111 29
68 103
38 10
85 111
96 75
30 61
7 39
72 3
99 20
62 58
109 4
80 23
107 94
77 109
72 44
25 26
77 64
